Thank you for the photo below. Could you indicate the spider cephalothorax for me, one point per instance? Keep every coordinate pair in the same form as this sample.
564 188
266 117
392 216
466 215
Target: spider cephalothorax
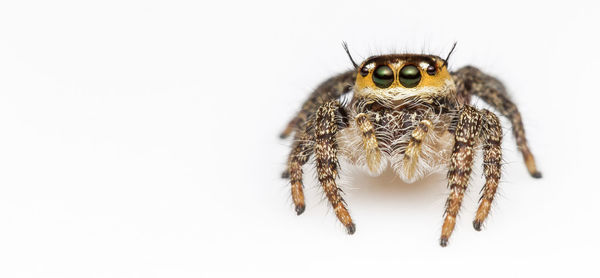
407 112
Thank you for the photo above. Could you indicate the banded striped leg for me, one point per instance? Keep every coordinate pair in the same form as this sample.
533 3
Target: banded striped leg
492 159
302 145
331 89
519 132
369 141
413 150
461 162
289 128
327 163
471 81
298 157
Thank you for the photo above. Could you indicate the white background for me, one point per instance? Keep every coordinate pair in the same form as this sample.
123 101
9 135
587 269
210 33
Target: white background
140 139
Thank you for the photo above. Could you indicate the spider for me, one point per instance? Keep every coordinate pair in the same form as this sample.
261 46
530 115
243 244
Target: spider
410 113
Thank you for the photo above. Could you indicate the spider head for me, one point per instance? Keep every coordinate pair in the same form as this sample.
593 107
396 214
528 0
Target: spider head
401 76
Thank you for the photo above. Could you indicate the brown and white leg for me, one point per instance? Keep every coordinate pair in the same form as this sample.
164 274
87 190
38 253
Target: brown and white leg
331 89
492 160
413 149
300 154
325 149
372 152
519 132
461 162
471 81
289 128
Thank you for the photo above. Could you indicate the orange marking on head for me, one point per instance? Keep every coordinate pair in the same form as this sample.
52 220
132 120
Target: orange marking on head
438 83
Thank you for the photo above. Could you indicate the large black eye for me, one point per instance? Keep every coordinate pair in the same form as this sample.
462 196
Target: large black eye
409 76
383 76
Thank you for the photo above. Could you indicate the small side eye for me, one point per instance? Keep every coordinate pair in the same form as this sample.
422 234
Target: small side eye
383 76
364 71
431 70
409 76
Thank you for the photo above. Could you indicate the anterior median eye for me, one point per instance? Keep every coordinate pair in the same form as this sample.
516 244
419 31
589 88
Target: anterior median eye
409 76
383 76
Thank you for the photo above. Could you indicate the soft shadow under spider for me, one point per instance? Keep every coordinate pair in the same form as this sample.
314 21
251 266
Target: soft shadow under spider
364 187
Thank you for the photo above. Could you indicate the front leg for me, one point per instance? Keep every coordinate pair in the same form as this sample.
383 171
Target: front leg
325 150
461 162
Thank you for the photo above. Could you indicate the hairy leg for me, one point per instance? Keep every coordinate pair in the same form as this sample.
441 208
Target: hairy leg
492 160
471 81
301 151
330 89
325 149
413 150
369 141
467 131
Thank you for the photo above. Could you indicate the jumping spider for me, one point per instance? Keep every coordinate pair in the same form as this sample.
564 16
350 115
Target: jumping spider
407 111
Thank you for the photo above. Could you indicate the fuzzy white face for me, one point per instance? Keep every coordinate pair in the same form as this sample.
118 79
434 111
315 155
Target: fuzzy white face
397 77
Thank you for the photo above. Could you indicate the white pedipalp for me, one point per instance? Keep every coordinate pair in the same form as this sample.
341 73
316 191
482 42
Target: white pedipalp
393 139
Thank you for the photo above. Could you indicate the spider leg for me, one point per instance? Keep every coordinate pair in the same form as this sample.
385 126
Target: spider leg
301 148
301 151
471 81
369 141
290 127
492 159
461 162
413 149
325 149
330 89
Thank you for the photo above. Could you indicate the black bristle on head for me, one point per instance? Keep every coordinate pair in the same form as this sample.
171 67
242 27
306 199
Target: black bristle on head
449 53
345 45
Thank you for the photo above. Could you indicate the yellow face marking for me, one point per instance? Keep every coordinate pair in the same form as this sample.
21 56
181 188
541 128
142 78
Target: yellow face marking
440 83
